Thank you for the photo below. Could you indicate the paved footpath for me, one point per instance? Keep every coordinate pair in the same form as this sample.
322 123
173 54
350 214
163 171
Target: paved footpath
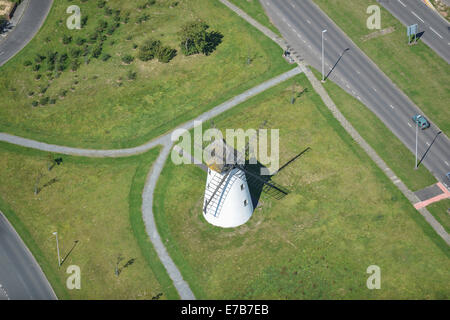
180 284
317 85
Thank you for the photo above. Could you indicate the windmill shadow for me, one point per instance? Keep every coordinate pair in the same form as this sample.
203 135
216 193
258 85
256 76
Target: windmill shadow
428 149
339 59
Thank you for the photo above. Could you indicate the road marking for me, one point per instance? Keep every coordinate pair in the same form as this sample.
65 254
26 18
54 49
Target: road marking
436 32
392 106
402 3
374 89
2 53
428 144
447 163
417 16
347 85
309 22
409 124
357 71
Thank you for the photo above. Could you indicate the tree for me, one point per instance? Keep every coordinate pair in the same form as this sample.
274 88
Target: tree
196 39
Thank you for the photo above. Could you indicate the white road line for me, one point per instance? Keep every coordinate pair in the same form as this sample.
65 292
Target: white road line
392 106
309 22
374 89
428 144
409 124
2 53
447 163
436 32
417 16
402 3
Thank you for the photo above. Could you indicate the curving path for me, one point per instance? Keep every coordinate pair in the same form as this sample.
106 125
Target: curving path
166 141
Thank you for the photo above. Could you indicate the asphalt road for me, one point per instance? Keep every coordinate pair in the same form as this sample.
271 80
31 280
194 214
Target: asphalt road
21 278
436 30
32 19
301 23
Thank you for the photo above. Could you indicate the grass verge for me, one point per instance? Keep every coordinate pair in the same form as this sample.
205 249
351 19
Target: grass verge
342 215
94 201
440 211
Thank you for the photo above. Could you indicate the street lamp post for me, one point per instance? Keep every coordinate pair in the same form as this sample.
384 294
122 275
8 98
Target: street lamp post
323 62
57 248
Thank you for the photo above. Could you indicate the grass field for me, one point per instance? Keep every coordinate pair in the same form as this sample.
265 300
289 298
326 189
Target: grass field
380 138
342 215
94 201
417 70
102 108
440 211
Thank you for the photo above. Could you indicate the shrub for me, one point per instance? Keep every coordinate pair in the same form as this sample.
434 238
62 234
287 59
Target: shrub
165 54
127 59
131 75
36 67
44 101
80 41
35 103
97 51
84 20
39 58
75 52
101 3
66 39
75 65
27 63
149 49
106 57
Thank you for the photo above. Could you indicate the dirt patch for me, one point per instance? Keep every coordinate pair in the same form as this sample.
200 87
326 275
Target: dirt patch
377 34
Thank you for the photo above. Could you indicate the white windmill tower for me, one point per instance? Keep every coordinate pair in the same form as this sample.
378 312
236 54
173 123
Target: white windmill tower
227 201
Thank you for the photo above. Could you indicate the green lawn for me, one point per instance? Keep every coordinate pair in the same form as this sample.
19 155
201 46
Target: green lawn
440 211
417 70
342 215
254 9
94 201
102 108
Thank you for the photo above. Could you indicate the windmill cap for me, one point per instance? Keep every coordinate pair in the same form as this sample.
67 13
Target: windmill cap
220 156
